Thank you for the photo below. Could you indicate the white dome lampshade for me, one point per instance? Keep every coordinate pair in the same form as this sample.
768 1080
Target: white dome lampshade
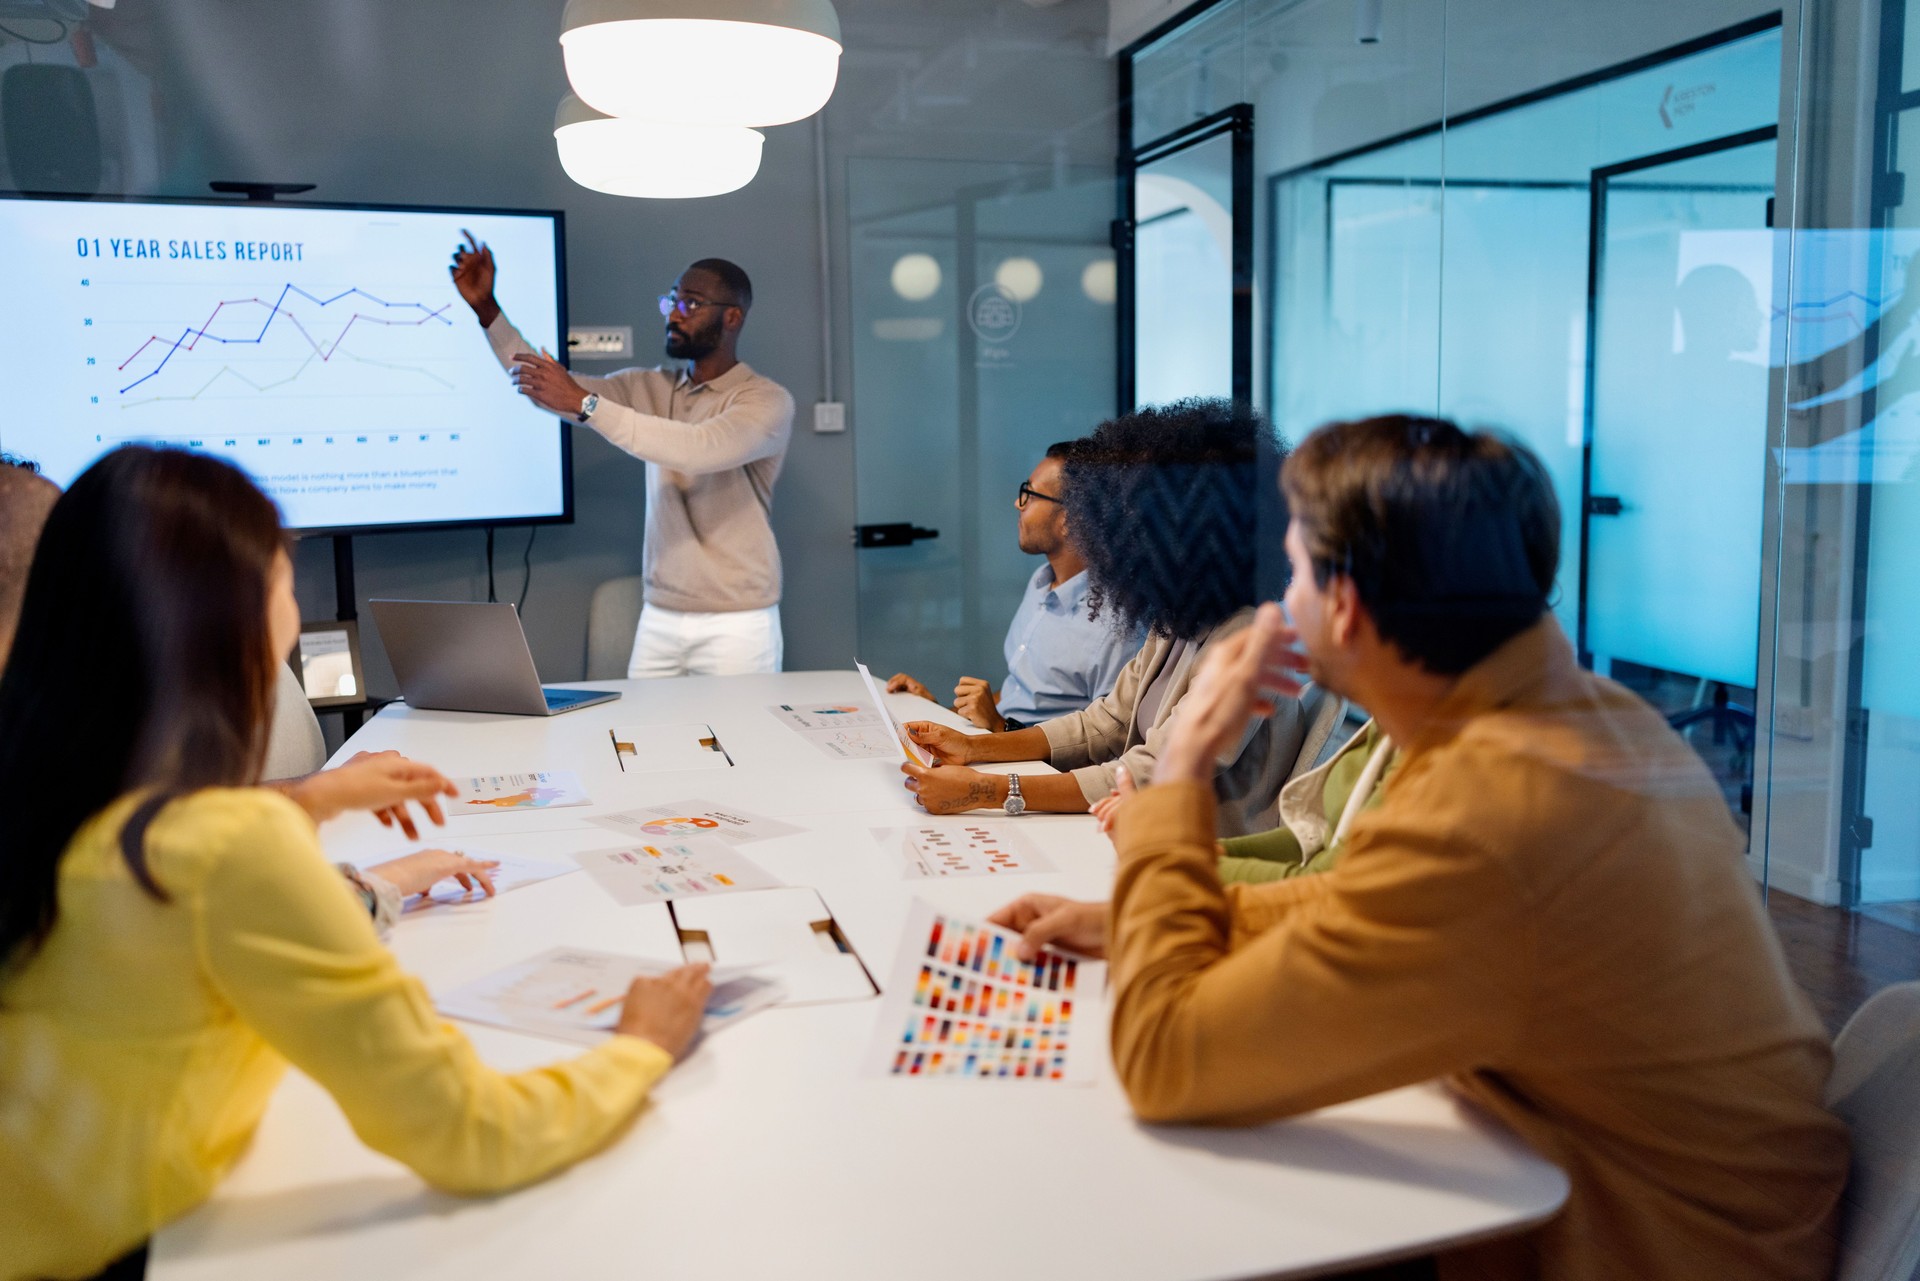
729 62
648 158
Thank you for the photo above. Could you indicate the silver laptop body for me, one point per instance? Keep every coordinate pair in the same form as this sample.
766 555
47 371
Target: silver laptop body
469 656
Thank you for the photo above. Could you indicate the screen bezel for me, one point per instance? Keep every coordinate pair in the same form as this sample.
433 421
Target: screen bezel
559 219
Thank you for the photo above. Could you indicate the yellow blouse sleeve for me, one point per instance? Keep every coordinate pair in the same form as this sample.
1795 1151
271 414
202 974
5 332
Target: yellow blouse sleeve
286 943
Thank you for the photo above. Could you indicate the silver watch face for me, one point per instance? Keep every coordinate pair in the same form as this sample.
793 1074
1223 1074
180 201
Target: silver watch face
1016 803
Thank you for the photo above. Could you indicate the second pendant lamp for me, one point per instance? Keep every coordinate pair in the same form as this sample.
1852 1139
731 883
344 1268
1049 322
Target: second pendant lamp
714 62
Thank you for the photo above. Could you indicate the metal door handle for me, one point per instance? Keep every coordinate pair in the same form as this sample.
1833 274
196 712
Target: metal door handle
1604 505
899 535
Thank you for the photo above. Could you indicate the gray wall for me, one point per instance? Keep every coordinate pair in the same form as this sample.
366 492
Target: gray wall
448 102
451 102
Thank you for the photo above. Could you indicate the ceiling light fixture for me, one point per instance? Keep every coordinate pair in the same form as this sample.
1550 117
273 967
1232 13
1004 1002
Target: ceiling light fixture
651 158
724 62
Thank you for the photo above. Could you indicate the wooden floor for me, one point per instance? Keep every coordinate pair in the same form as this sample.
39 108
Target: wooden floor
1841 958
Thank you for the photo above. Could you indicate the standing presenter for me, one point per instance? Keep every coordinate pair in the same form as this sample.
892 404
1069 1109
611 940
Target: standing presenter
713 434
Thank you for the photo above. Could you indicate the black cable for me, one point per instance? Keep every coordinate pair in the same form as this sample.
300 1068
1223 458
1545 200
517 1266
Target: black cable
526 567
60 23
491 598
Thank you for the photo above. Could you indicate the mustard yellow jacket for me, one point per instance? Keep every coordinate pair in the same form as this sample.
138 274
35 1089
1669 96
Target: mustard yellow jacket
1549 908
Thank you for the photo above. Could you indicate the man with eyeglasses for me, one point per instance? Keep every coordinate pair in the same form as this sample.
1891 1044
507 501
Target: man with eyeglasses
1058 659
713 434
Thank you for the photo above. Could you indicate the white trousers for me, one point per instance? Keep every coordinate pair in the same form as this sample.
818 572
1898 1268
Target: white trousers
672 643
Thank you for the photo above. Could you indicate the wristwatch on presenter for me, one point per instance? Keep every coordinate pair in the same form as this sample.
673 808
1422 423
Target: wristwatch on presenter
587 406
1016 803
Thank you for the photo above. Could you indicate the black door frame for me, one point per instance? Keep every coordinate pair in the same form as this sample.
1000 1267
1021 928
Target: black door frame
1596 253
1236 121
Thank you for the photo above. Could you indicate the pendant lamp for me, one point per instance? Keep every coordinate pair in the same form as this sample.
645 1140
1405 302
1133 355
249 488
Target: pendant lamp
711 62
650 157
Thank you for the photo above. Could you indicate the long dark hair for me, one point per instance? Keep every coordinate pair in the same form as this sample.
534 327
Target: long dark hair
1176 511
141 662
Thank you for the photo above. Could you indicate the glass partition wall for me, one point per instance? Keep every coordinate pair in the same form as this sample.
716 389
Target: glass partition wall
1668 246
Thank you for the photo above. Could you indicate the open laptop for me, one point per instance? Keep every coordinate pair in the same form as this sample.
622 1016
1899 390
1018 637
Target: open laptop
469 656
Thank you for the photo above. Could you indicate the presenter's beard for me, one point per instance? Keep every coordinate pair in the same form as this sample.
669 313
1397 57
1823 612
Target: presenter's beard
682 345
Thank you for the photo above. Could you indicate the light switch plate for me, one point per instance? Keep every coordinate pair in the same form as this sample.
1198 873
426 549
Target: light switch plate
829 416
600 342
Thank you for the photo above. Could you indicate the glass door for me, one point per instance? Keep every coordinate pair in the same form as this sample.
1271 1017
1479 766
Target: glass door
1681 347
982 308
1189 236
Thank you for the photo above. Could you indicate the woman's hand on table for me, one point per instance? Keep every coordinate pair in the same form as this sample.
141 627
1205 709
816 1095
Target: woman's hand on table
951 789
1047 920
667 1010
417 873
901 683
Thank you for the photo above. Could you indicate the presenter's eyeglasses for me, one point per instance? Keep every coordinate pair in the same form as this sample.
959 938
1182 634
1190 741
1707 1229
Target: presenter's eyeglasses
674 304
1028 493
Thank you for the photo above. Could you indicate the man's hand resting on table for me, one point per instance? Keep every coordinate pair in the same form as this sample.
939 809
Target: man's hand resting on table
667 1010
901 683
1047 920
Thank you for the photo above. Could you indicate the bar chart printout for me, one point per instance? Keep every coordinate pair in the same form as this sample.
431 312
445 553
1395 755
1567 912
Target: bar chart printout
963 1005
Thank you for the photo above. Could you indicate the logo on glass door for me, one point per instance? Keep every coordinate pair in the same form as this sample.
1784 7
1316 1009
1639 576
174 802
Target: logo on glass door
994 313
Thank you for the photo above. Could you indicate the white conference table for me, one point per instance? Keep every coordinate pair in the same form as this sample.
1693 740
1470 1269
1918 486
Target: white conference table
769 1152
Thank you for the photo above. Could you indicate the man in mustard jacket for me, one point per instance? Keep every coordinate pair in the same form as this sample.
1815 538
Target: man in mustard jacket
1547 907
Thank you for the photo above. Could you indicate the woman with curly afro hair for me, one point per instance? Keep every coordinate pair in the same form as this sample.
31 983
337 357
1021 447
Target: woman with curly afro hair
1173 507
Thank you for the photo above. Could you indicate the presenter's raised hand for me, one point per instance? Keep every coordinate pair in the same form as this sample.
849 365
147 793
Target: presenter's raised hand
1242 680
546 382
948 746
472 273
1047 920
667 1010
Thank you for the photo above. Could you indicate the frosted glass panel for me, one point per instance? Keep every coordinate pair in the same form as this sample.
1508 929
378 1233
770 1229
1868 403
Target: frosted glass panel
1680 415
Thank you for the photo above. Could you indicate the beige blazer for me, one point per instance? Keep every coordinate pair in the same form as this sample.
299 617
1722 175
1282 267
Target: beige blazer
1093 743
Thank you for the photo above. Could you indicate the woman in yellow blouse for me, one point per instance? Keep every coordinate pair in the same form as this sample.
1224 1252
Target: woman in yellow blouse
171 937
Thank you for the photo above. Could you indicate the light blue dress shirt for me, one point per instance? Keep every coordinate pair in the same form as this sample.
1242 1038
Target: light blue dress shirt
1058 659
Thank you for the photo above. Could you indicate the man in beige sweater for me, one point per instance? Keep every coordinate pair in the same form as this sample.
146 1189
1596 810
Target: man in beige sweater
1548 907
713 434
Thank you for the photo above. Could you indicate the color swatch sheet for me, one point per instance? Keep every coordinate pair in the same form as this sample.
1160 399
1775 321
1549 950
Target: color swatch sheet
515 871
575 994
501 793
695 818
963 1005
962 849
844 731
685 867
